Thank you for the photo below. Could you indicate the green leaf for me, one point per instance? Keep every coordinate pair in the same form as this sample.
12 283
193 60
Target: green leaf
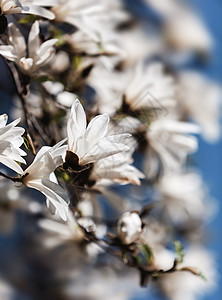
76 61
26 143
124 257
147 252
138 260
59 34
201 275
29 19
178 248
42 78
62 175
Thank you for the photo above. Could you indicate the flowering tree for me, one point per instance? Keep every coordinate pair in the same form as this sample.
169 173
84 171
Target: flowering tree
107 129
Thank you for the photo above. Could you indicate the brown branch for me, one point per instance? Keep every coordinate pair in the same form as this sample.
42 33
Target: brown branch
20 92
14 179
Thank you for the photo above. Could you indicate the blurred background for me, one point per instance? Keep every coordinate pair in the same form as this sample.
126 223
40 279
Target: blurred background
209 156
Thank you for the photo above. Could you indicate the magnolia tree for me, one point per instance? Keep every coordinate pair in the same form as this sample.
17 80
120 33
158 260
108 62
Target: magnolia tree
103 121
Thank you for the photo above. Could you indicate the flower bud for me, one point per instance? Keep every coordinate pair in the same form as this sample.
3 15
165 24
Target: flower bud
129 227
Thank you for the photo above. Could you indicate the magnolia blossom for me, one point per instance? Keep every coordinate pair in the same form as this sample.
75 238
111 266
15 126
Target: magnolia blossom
169 142
103 283
39 175
104 51
183 196
200 99
150 88
165 8
16 51
116 168
144 88
81 42
129 227
10 143
184 285
61 232
137 43
109 86
83 15
70 232
185 31
91 143
27 7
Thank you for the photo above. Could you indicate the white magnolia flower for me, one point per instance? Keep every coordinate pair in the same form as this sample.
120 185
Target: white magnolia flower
91 143
10 143
103 283
116 168
185 31
83 15
129 227
109 86
165 8
105 51
187 286
83 43
183 196
163 258
39 175
16 51
137 43
34 7
150 88
200 99
144 88
61 232
169 142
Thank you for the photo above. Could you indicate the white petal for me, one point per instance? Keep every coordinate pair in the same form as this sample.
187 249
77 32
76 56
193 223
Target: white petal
8 52
54 193
11 164
81 23
17 40
97 128
38 161
33 40
45 52
39 11
12 133
46 2
26 63
101 150
76 124
3 120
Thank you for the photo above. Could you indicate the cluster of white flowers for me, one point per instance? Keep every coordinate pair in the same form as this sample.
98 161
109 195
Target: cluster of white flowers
108 132
16 50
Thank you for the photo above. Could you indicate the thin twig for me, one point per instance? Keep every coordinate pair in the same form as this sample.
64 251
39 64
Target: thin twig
14 179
